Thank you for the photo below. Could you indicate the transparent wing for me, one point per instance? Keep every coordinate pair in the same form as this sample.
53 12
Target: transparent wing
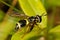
18 15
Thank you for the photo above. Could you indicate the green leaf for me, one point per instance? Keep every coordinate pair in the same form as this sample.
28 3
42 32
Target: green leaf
33 35
56 29
56 32
32 7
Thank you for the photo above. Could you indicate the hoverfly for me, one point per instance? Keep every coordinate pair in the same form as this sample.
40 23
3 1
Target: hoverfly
29 22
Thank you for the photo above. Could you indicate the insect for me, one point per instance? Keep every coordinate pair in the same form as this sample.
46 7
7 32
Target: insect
30 21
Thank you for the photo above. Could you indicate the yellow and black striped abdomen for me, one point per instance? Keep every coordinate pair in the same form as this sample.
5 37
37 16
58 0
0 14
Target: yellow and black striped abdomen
21 23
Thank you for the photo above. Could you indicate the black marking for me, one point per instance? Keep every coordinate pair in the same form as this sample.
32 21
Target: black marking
17 27
31 19
39 18
22 23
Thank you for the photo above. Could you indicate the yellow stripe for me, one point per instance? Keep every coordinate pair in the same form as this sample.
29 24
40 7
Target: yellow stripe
27 22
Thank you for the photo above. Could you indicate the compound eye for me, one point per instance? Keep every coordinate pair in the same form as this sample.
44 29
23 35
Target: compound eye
39 18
